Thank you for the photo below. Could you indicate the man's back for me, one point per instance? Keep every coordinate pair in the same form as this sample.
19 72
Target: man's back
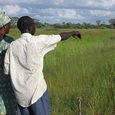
26 65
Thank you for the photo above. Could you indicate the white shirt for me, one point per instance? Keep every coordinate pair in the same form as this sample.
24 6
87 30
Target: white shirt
24 62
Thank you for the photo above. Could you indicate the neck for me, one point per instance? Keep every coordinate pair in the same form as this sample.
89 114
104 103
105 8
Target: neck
26 31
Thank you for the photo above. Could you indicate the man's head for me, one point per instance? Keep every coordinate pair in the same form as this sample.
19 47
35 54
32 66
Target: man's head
5 22
26 25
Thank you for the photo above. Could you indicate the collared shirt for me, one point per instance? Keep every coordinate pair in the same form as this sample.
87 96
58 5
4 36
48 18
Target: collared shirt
24 62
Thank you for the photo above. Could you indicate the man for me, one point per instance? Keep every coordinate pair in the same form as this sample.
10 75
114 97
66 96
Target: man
24 62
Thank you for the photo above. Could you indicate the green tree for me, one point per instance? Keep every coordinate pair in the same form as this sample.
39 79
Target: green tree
98 22
112 21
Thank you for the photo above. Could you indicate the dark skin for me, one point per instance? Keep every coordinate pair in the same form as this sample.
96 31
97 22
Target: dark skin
26 25
64 35
2 54
7 27
2 32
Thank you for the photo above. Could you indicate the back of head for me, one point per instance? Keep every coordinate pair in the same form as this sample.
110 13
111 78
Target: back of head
26 25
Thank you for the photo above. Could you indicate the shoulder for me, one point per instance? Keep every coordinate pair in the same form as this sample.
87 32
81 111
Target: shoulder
8 39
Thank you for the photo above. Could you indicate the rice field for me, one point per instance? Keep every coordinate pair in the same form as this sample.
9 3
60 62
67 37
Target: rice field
81 68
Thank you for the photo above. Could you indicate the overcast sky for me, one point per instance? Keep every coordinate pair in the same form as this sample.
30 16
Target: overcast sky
58 11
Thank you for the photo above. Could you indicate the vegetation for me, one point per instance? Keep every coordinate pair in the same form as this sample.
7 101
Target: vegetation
81 68
84 25
112 21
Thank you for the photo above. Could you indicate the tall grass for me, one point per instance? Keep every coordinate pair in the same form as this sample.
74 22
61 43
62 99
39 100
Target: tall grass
81 68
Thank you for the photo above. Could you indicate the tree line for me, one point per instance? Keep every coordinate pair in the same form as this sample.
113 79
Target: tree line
84 25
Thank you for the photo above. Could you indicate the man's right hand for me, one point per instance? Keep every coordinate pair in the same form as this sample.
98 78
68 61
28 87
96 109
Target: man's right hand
76 34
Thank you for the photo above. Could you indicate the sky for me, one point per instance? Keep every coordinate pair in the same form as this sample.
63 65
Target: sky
59 11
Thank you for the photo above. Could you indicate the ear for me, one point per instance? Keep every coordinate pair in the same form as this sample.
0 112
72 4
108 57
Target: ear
29 29
32 30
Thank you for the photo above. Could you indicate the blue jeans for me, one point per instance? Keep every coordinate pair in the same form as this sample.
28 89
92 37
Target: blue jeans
41 107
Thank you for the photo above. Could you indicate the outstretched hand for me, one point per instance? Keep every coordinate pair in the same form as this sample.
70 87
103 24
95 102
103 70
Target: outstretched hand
66 35
76 34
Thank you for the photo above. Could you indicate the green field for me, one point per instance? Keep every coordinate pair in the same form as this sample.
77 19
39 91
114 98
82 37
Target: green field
81 68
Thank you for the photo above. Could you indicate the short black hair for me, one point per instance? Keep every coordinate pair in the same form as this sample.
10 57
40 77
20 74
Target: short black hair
25 23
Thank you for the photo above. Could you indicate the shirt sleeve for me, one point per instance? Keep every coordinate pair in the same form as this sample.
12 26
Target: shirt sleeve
49 42
7 62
